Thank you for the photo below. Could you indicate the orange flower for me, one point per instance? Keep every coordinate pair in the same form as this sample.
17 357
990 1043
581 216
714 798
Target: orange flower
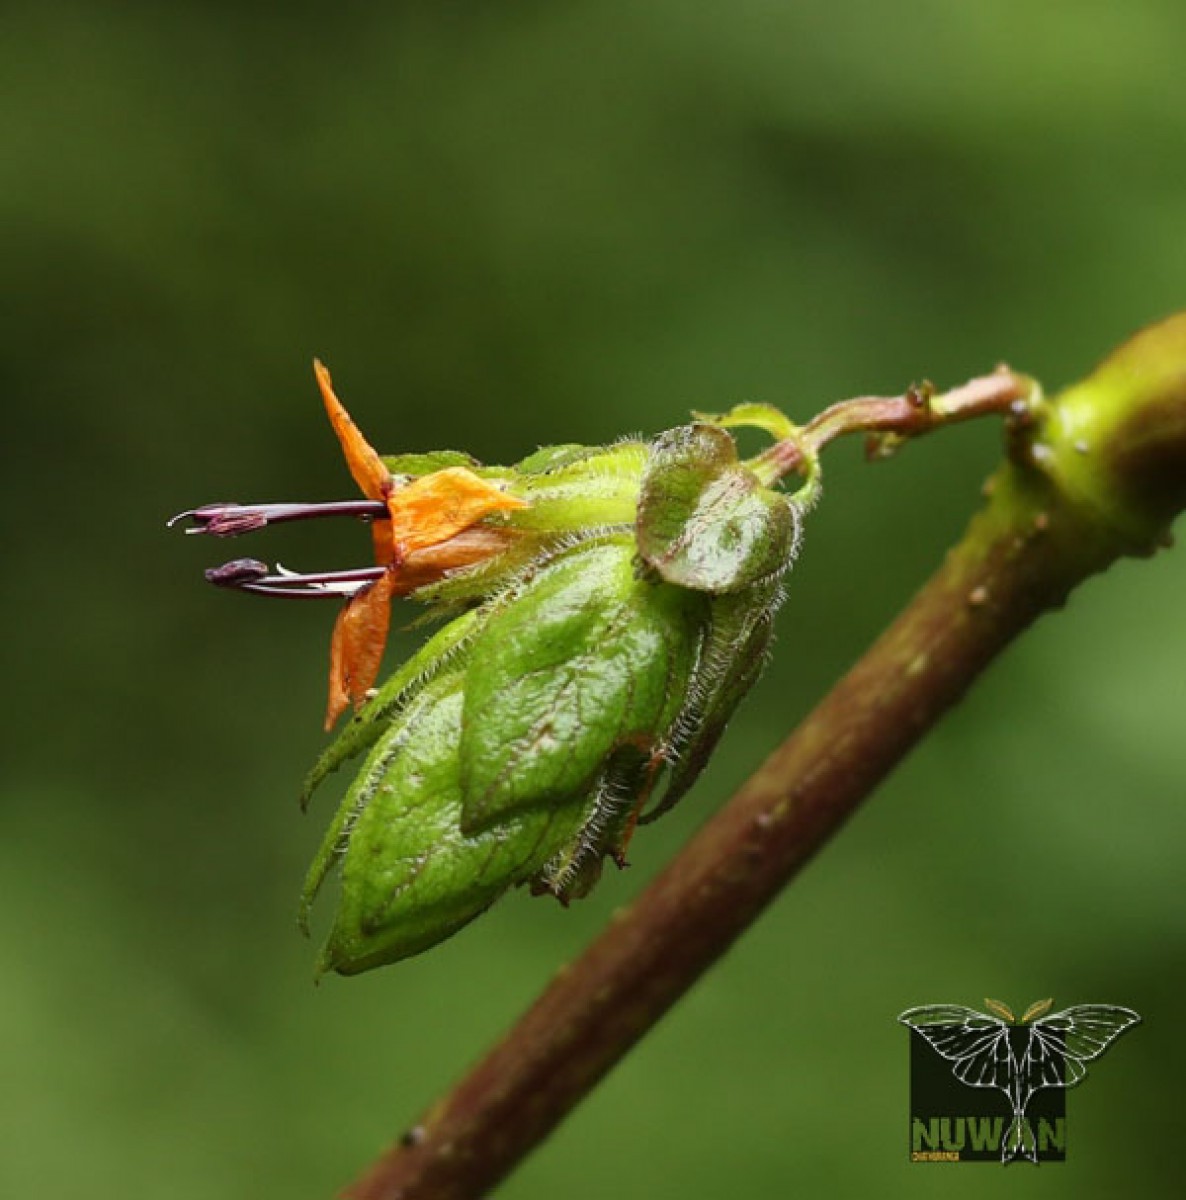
432 527
423 529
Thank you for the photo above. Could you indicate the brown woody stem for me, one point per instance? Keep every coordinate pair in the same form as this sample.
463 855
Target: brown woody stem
1044 530
888 420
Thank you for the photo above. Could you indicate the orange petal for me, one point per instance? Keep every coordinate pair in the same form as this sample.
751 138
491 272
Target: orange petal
383 543
366 467
356 651
467 549
435 507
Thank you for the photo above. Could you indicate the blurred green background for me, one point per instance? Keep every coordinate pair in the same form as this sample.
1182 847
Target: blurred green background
505 225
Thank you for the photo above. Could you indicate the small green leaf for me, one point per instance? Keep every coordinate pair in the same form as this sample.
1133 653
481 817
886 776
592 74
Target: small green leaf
393 735
704 520
410 876
752 416
587 658
734 653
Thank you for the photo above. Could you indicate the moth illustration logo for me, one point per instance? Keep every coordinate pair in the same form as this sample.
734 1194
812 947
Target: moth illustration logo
1016 1056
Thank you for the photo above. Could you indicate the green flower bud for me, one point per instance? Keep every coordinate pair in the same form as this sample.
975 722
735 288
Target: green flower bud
600 654
514 754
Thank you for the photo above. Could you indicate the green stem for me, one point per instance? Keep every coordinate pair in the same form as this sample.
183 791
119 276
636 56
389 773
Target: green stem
1035 540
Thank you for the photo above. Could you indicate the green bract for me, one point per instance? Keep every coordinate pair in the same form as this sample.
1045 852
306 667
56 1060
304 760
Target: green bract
587 668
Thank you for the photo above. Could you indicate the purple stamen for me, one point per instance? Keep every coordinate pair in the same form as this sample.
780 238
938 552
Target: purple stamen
230 519
251 575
